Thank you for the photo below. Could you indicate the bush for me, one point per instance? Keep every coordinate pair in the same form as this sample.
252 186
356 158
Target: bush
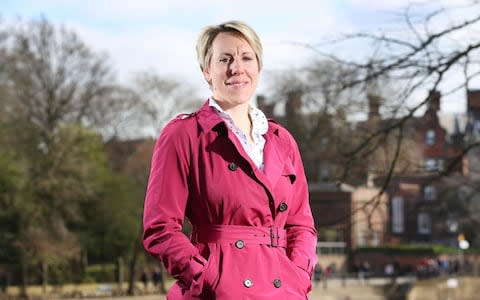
101 273
425 250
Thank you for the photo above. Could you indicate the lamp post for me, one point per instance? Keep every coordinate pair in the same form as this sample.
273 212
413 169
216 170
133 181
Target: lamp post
463 245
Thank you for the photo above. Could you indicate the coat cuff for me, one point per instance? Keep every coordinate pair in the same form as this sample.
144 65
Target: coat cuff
304 264
195 273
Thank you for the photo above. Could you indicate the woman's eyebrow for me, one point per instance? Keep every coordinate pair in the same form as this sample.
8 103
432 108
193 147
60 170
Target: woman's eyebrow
229 53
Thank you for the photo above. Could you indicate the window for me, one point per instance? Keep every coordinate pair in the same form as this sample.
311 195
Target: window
440 165
376 239
431 165
476 128
324 173
368 238
430 137
429 193
362 238
397 215
463 194
452 224
332 248
323 143
424 223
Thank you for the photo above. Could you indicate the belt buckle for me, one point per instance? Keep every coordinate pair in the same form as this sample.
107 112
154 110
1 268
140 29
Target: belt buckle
274 238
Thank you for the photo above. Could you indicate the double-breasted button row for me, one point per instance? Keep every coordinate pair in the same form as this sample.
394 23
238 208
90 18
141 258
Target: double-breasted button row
277 283
232 166
240 244
248 283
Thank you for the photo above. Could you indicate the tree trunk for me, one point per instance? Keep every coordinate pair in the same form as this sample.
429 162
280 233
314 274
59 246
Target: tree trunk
44 277
120 271
163 290
24 276
133 265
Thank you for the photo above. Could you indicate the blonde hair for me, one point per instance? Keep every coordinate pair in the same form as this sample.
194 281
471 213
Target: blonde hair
208 34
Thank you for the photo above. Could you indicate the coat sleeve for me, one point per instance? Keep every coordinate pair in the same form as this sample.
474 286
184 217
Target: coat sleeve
301 233
165 203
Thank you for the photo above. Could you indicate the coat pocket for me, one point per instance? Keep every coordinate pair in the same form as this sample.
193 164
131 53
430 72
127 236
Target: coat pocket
210 273
202 283
298 277
289 171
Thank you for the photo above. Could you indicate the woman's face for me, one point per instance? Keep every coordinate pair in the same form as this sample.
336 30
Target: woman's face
233 70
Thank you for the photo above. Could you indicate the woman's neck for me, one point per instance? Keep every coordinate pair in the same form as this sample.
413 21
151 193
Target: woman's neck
241 118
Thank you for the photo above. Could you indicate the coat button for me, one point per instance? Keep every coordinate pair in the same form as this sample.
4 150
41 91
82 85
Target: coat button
240 244
277 283
232 166
248 283
283 207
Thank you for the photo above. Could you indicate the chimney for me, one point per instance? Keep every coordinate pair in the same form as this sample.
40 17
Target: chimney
473 100
374 102
294 103
261 101
434 100
267 109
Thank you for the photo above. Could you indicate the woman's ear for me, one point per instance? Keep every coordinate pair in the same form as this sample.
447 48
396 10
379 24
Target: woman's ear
206 75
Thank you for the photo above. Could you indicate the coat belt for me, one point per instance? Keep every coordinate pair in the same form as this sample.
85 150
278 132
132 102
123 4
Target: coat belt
272 236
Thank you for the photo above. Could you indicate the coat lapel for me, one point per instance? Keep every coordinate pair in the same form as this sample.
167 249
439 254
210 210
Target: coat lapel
275 155
275 152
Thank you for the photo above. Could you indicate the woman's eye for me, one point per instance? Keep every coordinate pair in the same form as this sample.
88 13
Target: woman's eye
224 59
248 58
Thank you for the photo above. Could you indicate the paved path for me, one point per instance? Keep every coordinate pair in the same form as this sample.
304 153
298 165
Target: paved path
335 289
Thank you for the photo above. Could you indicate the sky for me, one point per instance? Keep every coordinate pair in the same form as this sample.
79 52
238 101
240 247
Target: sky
160 35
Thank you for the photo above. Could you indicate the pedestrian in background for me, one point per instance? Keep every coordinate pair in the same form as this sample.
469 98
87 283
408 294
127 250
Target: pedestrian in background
144 277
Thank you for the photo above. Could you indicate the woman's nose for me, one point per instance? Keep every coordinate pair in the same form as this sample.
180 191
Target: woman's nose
236 67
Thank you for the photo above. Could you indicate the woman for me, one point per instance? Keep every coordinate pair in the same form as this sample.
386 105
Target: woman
239 180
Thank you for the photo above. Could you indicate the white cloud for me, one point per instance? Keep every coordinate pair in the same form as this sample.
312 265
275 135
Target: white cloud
161 35
169 51
381 4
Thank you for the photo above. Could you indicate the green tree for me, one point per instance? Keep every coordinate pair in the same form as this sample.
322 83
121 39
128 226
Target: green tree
56 94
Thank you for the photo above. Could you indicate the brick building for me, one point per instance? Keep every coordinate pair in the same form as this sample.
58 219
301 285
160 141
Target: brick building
369 217
331 207
427 171
416 193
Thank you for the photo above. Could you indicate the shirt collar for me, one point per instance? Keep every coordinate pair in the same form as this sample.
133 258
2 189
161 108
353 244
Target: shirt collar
259 120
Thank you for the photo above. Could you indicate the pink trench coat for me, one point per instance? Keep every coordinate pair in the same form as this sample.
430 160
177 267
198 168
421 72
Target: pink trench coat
253 232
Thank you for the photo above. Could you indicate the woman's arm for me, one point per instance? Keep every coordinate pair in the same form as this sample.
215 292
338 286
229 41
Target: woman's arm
301 233
165 202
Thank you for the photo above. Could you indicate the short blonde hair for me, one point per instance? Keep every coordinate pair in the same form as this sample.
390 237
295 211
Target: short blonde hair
209 33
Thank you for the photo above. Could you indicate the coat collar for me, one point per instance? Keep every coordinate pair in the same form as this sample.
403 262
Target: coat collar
207 118
276 151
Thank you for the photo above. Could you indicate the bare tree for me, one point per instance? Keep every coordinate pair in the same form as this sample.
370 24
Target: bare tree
438 49
53 89
435 48
163 98
328 120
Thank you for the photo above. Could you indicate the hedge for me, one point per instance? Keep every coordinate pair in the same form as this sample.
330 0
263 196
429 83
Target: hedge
414 249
